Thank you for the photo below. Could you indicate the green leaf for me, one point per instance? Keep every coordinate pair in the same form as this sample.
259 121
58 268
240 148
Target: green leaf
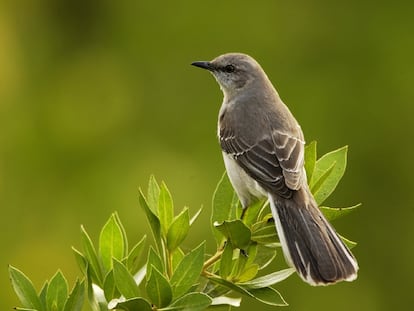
349 243
76 297
124 280
111 243
266 234
158 289
140 275
96 296
165 208
269 279
317 186
337 159
123 231
240 264
188 271
224 300
264 256
154 260
191 302
42 295
109 286
236 231
226 260
332 213
177 256
178 230
224 203
252 212
264 216
194 218
152 220
57 292
153 195
24 289
134 304
251 253
248 273
310 160
81 260
269 296
266 295
134 256
91 257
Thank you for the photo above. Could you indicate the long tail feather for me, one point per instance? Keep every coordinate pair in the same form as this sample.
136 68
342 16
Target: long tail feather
310 243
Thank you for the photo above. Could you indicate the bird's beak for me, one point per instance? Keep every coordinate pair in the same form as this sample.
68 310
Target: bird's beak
204 65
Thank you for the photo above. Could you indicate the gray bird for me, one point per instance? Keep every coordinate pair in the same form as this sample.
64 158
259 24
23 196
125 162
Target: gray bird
263 151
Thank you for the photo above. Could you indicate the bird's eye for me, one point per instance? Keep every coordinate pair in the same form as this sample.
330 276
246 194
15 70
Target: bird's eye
229 68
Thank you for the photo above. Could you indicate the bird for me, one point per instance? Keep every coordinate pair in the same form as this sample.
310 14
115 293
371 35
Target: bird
263 150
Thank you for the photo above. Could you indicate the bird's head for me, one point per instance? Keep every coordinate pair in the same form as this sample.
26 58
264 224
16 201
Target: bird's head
233 71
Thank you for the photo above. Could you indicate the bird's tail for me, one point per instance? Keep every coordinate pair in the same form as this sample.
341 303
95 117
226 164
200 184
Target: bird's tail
309 242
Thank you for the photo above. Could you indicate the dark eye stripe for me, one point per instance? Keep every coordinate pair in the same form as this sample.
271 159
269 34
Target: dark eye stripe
229 68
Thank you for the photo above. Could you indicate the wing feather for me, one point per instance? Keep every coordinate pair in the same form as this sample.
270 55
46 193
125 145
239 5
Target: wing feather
275 161
290 152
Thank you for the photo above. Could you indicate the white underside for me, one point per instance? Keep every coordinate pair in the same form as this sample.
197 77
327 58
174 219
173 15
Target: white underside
245 186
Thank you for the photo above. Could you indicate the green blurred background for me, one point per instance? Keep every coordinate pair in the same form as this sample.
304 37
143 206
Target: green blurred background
96 95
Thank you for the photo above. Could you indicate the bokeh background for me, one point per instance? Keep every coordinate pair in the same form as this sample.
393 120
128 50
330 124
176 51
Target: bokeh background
96 95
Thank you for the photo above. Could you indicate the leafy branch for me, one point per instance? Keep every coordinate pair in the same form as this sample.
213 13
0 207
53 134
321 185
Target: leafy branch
117 276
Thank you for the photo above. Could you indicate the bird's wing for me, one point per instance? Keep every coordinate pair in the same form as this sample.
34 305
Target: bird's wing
275 161
290 151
